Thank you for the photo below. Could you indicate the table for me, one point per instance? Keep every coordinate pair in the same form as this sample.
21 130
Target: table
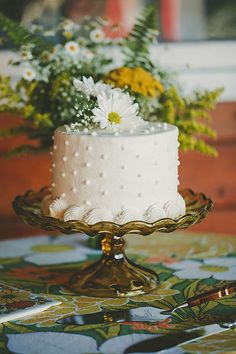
186 263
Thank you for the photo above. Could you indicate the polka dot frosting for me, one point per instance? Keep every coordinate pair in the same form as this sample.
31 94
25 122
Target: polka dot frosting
134 171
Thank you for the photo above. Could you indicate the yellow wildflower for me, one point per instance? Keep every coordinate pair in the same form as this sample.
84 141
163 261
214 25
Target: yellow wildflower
28 111
136 79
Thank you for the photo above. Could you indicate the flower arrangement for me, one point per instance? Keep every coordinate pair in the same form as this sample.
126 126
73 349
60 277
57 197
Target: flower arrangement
104 106
70 77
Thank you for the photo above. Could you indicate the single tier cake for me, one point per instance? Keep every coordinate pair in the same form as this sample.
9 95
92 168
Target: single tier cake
102 175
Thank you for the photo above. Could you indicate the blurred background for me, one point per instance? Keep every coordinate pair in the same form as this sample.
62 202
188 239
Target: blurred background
197 39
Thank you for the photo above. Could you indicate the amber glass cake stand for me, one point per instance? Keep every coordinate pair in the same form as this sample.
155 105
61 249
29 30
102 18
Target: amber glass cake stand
113 275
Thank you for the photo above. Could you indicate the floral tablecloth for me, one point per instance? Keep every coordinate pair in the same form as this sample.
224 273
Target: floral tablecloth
186 263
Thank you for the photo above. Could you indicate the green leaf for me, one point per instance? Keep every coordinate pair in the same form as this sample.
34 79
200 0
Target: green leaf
136 45
18 328
76 328
12 131
20 36
228 301
192 289
21 151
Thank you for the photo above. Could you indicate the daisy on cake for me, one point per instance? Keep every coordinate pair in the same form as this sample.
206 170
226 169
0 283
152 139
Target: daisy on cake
112 165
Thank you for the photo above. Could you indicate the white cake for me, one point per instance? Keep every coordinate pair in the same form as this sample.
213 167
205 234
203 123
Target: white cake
107 176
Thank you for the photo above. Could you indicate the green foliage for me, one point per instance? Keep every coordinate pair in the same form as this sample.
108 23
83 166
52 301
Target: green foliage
49 99
19 35
10 98
12 131
136 46
22 150
190 115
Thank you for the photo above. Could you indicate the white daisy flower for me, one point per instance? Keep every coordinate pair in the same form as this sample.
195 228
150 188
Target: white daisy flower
221 268
26 55
97 35
69 25
116 108
72 47
29 74
89 87
87 54
43 250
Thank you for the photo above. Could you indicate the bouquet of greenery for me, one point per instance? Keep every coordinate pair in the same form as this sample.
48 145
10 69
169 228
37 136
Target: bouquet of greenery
49 59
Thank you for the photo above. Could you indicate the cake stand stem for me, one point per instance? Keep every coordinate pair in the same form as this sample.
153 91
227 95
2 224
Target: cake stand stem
113 275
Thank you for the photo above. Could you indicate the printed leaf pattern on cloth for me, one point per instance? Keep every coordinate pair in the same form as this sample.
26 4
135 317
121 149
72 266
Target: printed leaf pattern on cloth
186 263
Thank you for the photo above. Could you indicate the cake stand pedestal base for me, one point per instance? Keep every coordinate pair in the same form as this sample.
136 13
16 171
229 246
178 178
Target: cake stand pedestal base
114 275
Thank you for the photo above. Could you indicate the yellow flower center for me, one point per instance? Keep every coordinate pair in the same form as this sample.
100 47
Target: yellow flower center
52 248
214 268
114 117
68 34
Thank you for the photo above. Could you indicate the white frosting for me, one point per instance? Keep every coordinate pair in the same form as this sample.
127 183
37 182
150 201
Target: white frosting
127 215
97 214
58 207
175 208
133 176
74 213
154 212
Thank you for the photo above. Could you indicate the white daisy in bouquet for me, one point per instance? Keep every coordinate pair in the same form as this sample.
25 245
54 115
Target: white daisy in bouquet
72 48
89 87
29 74
97 35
